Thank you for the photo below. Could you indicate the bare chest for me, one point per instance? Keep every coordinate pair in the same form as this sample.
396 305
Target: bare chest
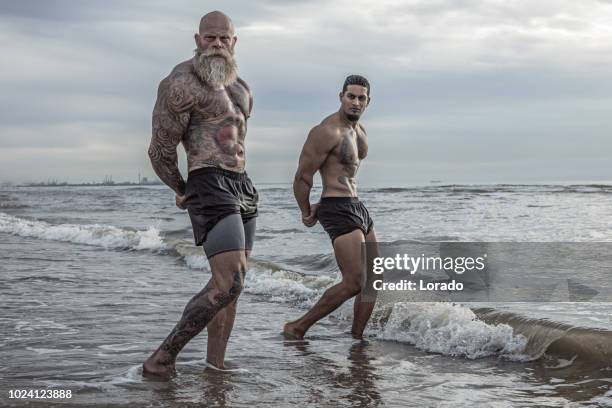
217 116
212 106
352 148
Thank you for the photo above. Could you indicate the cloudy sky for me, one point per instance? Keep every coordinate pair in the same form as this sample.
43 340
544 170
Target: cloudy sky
463 91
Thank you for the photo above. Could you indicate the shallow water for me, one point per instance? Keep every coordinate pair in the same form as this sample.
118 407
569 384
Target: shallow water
84 304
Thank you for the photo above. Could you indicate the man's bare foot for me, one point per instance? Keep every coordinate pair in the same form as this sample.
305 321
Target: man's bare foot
291 332
156 371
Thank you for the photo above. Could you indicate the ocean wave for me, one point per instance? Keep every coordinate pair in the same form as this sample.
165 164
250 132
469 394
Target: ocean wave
392 190
106 236
499 188
325 262
13 205
448 329
279 231
587 189
286 286
558 344
266 278
457 330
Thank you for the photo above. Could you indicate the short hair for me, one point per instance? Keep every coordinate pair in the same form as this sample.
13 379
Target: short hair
356 80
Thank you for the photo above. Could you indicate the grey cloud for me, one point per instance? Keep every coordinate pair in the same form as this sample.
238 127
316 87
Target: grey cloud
465 84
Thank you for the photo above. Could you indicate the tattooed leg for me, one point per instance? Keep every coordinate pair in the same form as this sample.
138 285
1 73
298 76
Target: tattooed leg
200 310
220 328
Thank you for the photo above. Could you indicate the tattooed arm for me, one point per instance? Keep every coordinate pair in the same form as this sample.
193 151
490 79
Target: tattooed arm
170 120
314 153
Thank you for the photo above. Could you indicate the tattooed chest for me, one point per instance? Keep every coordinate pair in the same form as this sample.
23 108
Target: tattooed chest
349 154
216 133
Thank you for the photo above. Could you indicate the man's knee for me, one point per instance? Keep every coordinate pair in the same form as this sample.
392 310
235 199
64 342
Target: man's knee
228 270
230 291
352 287
237 283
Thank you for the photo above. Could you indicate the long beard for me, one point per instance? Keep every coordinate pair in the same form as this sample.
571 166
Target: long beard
215 69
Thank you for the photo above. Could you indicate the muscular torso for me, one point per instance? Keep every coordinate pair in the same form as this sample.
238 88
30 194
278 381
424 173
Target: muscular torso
217 124
339 170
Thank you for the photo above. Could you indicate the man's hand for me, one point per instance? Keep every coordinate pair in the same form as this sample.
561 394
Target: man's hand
180 201
311 219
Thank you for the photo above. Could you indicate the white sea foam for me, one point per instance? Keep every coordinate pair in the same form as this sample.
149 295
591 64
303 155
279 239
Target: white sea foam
130 376
278 284
192 255
452 330
106 236
118 347
286 286
196 261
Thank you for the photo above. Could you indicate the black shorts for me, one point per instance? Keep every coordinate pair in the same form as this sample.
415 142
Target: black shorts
214 194
341 215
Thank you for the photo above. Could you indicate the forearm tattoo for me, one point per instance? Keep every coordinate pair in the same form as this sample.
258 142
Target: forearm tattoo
170 121
199 312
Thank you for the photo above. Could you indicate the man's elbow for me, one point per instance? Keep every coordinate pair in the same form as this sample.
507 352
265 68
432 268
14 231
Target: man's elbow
302 178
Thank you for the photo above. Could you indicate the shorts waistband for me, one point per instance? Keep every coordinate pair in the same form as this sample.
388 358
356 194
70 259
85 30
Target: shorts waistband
353 200
218 170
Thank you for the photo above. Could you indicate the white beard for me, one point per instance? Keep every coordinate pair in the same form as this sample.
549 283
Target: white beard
215 70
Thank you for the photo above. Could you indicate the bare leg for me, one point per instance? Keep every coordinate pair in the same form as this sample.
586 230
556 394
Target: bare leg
223 288
364 305
347 249
219 330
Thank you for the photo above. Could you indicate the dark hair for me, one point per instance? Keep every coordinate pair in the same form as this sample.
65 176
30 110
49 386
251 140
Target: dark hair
356 80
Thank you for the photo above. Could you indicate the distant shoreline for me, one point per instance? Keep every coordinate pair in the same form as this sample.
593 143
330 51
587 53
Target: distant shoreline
435 184
127 183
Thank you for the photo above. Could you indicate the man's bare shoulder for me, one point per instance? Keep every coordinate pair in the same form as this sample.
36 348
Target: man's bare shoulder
176 91
241 82
329 126
184 68
330 121
181 76
325 131
325 135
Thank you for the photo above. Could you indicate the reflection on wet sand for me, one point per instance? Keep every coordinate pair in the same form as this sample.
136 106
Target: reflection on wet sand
573 381
358 377
215 388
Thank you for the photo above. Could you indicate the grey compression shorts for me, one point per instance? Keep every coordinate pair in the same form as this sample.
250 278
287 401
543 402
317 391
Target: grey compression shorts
222 206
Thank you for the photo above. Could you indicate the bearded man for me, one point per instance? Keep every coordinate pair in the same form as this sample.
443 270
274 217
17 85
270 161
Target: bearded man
205 106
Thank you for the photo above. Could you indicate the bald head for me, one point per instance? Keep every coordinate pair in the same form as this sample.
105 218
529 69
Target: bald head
214 60
216 35
214 21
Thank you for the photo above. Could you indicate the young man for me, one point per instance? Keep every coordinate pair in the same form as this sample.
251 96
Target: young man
335 148
204 105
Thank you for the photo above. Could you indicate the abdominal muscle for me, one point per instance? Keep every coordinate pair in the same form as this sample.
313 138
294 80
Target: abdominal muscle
223 150
338 183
